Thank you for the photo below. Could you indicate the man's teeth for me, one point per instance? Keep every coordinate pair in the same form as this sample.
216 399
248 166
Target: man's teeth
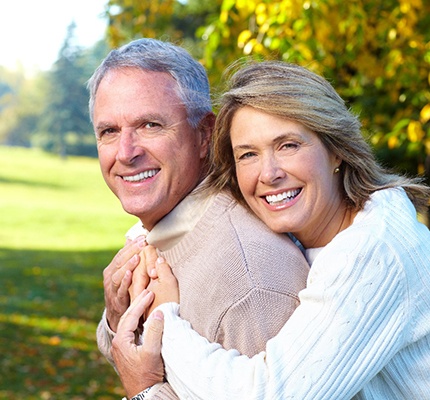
277 198
141 176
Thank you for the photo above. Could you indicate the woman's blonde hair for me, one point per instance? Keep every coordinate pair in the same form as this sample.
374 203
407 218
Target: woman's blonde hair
295 93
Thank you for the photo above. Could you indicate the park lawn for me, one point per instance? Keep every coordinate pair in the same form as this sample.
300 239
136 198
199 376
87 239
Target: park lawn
59 227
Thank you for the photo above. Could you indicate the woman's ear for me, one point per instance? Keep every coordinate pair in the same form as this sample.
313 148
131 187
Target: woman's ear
337 162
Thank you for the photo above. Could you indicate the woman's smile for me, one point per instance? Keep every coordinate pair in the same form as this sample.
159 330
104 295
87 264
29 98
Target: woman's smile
286 175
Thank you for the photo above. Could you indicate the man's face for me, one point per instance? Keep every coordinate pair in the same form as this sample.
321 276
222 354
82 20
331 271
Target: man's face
150 156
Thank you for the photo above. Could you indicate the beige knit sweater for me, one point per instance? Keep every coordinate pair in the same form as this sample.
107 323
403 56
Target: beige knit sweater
238 280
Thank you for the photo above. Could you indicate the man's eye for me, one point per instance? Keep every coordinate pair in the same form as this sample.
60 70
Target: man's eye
108 131
106 134
151 125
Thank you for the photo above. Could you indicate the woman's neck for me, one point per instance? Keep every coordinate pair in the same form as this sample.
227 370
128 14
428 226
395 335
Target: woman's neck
341 219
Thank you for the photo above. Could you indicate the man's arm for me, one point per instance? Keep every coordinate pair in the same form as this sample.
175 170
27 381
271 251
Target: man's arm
117 278
139 366
119 270
126 352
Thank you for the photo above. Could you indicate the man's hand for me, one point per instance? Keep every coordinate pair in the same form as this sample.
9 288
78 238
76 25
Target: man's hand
139 366
117 278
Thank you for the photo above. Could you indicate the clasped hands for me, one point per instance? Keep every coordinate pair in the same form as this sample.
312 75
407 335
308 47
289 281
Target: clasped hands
137 275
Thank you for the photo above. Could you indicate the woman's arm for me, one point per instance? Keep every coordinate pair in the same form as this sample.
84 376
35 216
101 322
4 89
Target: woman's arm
349 324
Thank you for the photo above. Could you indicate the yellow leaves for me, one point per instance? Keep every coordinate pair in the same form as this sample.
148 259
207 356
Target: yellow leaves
51 340
260 9
253 46
415 131
243 38
407 5
249 4
425 114
392 34
305 51
427 145
223 17
393 142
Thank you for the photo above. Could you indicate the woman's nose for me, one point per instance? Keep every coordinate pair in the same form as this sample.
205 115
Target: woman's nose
271 171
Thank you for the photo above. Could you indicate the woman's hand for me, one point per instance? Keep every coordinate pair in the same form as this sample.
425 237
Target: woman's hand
139 365
163 284
140 279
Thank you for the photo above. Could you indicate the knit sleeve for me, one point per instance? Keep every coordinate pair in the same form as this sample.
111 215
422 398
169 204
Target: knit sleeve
262 287
254 319
104 339
164 392
350 322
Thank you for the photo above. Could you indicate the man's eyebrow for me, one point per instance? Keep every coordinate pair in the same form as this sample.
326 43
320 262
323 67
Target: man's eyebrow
102 125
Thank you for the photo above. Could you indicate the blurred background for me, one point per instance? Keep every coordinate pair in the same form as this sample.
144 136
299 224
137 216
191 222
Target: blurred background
60 225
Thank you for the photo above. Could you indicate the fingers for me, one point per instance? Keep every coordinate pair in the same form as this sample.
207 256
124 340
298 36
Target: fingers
128 251
126 259
165 287
130 320
163 270
118 275
117 278
151 256
153 333
140 278
138 365
122 291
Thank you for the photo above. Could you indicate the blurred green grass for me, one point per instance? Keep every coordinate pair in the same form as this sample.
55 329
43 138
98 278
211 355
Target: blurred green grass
59 227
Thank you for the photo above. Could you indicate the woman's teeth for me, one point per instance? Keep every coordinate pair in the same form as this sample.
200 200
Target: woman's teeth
282 197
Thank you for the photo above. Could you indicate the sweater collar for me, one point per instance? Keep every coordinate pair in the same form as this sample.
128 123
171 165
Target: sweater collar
175 225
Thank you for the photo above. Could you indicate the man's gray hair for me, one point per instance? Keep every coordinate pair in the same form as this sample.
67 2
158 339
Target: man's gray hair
159 56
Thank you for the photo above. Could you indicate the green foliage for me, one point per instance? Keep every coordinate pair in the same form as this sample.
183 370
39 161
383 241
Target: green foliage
173 20
375 53
59 227
50 110
21 102
66 115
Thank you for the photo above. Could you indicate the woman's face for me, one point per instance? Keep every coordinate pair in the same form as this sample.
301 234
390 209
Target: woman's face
287 176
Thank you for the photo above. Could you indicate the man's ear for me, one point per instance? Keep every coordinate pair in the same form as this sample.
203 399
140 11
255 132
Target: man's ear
206 127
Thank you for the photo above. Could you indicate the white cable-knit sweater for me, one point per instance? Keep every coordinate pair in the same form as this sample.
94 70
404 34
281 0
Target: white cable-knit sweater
362 329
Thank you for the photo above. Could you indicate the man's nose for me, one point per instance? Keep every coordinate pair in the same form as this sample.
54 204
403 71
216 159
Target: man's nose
128 147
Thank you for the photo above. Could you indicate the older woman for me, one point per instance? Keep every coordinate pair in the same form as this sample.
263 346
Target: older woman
286 144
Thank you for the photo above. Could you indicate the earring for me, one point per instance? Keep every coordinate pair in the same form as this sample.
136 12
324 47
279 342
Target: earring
336 170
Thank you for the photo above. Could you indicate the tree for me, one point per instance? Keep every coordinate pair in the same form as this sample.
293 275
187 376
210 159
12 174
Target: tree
21 103
376 54
66 123
173 20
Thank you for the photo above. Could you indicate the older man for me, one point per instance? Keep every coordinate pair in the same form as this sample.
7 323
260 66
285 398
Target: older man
151 111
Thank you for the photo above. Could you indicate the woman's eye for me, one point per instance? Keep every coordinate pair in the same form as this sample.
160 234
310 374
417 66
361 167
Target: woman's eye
290 146
245 156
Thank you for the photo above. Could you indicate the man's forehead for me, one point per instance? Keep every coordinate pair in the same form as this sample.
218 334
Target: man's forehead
140 75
